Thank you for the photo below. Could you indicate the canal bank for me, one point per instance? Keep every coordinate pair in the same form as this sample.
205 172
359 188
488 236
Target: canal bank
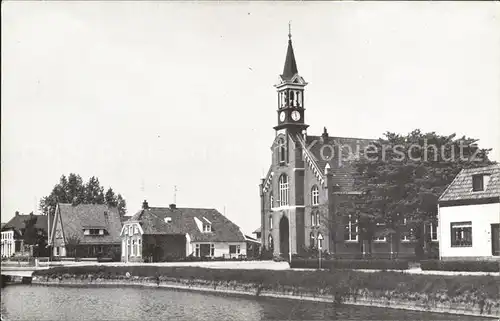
340 287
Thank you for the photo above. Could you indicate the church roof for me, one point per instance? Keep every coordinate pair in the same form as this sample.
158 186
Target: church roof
183 221
339 153
290 68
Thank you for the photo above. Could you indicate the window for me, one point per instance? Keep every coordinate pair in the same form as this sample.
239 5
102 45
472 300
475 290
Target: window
320 241
317 218
313 219
94 232
478 183
130 230
351 229
283 185
407 234
312 239
212 249
139 247
271 200
380 238
271 244
207 228
281 151
315 195
197 250
133 248
433 232
270 221
461 234
234 249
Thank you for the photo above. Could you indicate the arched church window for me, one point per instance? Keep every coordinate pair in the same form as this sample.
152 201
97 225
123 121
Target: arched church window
281 150
312 240
315 195
270 221
317 218
283 188
271 200
313 219
299 99
292 98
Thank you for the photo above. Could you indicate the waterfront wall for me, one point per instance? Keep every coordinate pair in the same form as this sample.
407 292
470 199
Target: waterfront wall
386 299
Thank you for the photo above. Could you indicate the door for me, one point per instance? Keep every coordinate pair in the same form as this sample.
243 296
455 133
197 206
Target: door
495 239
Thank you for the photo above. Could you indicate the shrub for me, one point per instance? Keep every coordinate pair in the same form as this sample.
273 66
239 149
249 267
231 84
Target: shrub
469 266
375 264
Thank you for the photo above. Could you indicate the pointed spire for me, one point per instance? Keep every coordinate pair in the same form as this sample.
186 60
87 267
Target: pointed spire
290 68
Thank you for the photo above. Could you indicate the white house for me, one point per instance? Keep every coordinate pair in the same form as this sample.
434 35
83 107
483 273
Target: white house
469 215
169 233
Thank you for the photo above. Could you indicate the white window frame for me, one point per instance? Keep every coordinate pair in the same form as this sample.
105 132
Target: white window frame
284 189
197 250
271 222
406 235
380 239
434 227
270 241
313 219
315 195
317 218
271 200
207 228
457 225
352 228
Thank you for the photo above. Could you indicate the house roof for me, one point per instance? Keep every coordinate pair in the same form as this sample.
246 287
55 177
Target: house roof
342 169
75 219
17 222
461 187
183 221
256 231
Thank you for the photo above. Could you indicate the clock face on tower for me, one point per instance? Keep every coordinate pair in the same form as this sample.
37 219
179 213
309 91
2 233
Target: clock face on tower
282 116
295 115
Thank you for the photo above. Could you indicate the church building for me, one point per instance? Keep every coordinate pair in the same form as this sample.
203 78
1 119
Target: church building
306 183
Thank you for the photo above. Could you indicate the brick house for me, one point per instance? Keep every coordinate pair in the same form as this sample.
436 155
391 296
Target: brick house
93 228
469 215
168 233
303 193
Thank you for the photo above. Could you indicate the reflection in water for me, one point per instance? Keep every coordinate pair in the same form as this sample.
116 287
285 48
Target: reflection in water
37 302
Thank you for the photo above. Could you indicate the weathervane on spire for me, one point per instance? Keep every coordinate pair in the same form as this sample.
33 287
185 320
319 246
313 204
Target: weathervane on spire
290 30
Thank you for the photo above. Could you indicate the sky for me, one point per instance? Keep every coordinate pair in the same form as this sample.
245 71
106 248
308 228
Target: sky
151 95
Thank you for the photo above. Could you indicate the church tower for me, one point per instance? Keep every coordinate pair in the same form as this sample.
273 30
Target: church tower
290 88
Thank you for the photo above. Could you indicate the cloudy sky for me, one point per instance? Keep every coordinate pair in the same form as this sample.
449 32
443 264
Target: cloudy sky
148 95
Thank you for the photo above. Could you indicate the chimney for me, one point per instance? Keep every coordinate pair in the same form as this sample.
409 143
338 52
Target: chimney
17 213
173 206
145 205
324 135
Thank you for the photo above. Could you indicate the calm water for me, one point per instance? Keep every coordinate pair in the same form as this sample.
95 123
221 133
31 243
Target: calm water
38 302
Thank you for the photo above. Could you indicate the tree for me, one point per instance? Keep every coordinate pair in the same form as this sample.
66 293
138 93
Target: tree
35 237
72 242
73 190
402 177
122 205
110 198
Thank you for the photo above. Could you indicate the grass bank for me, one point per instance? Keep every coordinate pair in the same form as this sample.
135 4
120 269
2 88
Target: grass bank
437 293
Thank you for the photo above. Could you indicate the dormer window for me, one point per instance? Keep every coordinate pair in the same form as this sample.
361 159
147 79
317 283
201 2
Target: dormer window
93 231
479 182
207 228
